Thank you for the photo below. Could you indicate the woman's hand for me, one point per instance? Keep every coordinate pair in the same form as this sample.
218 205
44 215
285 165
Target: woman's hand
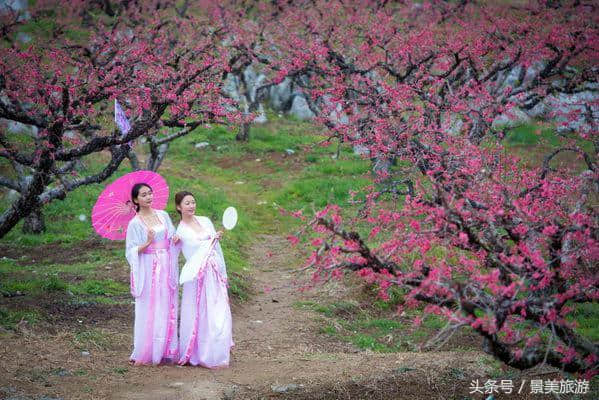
176 239
151 234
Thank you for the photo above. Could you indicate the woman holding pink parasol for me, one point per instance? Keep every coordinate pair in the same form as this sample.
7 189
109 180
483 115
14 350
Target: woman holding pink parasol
206 331
134 201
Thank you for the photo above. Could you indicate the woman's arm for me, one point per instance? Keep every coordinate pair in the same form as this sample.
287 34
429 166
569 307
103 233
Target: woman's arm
134 243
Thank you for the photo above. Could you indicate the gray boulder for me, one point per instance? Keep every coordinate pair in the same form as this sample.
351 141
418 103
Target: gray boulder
280 95
261 117
300 109
511 119
17 127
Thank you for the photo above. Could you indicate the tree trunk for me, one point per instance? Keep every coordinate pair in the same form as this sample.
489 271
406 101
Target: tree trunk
157 154
133 160
244 133
34 222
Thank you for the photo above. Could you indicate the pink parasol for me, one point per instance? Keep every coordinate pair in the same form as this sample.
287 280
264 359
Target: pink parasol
113 209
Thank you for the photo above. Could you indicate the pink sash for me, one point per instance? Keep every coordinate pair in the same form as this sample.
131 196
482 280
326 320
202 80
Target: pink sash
156 245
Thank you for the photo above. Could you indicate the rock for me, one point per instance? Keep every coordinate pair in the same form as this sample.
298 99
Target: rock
62 372
452 125
8 390
261 117
511 119
229 393
337 116
85 353
300 109
576 105
289 151
280 96
361 150
401 370
175 385
533 71
249 75
8 6
82 217
513 77
381 165
124 34
239 183
253 82
285 388
540 109
12 195
17 127
231 86
23 37
23 327
201 145
554 107
70 134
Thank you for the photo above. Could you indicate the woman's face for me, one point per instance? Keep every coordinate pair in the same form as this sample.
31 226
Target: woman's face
145 197
187 206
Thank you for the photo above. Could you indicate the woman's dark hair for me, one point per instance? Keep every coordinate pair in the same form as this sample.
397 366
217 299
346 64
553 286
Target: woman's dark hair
179 198
135 192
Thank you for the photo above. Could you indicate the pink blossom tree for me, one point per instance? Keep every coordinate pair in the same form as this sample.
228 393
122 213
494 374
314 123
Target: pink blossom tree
461 224
163 63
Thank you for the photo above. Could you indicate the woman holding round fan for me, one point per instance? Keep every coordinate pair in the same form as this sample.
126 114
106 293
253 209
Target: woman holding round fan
205 329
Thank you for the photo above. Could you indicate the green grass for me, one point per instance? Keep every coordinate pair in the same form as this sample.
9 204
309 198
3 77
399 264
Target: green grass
368 327
368 342
309 178
215 188
62 220
94 339
33 287
329 330
531 134
120 370
587 318
382 325
10 318
100 287
239 287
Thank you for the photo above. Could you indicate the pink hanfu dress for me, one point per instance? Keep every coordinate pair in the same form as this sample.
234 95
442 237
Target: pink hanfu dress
154 285
206 327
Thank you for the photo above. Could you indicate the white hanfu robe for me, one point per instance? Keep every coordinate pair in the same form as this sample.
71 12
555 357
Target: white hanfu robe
206 327
154 285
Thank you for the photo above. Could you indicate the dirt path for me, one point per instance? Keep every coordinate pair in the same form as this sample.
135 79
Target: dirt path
279 351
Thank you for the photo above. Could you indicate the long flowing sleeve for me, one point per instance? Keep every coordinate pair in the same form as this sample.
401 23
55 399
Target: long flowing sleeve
169 224
174 248
135 238
218 251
